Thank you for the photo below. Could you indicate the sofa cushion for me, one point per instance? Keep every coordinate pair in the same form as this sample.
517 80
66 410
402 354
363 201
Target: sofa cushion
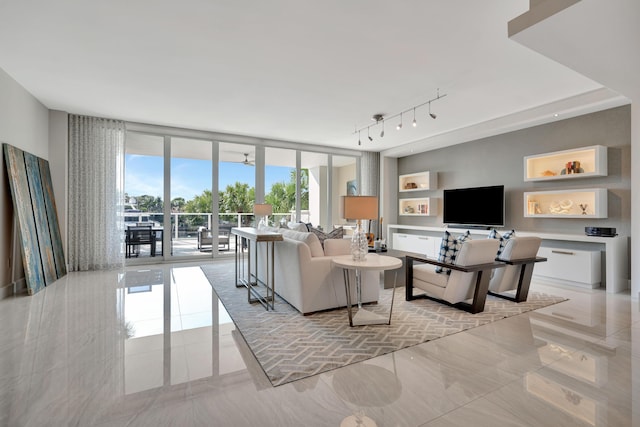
310 239
334 247
336 233
504 239
449 249
427 273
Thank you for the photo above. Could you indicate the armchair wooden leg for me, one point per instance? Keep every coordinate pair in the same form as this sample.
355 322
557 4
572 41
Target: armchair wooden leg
525 281
479 295
408 283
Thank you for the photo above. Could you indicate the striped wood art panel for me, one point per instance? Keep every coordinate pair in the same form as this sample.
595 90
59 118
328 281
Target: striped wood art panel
40 213
52 218
32 193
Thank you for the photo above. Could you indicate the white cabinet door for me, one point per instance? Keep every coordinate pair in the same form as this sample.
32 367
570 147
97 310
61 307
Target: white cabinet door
423 245
570 266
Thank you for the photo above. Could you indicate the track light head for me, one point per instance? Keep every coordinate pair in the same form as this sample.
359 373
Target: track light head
382 132
414 117
399 124
368 134
433 116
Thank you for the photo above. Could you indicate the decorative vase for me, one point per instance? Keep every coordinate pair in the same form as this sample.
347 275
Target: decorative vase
359 244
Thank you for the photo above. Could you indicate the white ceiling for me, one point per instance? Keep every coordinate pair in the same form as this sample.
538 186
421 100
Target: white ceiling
293 70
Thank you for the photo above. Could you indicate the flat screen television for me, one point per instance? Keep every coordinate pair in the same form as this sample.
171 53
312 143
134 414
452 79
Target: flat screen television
478 206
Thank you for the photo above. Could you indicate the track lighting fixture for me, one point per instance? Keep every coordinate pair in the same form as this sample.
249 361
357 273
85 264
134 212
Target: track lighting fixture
379 119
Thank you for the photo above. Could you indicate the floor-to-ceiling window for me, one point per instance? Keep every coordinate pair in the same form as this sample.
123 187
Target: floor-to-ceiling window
191 197
236 187
190 188
315 168
144 189
280 186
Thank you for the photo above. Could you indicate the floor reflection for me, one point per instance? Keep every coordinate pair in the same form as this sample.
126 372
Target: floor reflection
154 346
176 329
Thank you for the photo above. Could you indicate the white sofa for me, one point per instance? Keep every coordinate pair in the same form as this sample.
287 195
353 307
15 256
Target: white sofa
304 276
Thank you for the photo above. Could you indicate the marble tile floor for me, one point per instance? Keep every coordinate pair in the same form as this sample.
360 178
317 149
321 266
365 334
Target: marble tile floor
152 346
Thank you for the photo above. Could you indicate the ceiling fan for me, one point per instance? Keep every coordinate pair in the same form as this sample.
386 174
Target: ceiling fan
246 160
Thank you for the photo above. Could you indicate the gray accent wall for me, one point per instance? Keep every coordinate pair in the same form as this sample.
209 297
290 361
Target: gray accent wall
499 160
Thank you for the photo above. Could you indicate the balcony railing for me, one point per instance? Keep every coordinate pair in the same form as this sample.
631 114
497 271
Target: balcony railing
185 227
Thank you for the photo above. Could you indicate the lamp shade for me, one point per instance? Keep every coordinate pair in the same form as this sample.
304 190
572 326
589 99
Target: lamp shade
359 207
262 209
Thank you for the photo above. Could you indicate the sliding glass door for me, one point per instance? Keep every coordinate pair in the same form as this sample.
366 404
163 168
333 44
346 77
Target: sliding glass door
144 189
191 198
184 194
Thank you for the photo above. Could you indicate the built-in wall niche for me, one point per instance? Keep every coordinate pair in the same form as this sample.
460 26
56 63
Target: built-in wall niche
425 206
570 203
568 164
418 181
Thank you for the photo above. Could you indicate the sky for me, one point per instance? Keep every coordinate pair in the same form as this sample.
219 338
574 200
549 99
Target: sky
189 178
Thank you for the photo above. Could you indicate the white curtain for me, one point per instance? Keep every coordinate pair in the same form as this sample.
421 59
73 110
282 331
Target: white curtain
96 193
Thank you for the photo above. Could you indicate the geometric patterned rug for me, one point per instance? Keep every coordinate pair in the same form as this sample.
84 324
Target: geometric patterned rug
290 346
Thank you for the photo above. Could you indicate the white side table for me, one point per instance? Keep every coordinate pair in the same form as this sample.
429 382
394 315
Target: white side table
372 262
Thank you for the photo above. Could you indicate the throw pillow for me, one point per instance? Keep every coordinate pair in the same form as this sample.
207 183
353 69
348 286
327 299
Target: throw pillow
298 226
503 239
310 239
336 233
449 249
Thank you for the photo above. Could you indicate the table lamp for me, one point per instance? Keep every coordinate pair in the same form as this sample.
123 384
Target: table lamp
262 210
359 208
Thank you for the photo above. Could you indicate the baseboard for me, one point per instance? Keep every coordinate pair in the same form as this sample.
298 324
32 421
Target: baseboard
556 281
6 291
13 288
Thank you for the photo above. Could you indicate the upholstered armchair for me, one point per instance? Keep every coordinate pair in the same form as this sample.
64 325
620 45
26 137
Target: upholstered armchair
469 278
519 256
204 238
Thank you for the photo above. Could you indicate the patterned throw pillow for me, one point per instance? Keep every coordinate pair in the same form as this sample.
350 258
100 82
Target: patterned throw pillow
449 249
503 239
336 233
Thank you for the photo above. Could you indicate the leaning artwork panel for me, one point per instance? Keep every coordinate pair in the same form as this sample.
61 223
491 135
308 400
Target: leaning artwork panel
34 205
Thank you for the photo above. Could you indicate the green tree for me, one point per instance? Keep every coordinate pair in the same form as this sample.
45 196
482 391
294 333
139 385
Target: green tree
283 194
148 203
177 204
237 198
200 204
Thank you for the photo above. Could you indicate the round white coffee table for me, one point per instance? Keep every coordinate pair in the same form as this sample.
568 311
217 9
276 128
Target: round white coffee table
372 262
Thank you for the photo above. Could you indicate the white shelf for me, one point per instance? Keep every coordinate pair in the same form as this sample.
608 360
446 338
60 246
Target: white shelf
566 203
419 181
551 166
424 206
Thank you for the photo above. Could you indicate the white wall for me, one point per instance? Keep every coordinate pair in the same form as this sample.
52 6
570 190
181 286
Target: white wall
24 123
58 163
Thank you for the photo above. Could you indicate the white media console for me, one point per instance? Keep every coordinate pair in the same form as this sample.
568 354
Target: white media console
582 268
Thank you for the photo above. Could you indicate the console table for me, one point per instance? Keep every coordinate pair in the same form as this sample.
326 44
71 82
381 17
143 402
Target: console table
245 236
372 262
